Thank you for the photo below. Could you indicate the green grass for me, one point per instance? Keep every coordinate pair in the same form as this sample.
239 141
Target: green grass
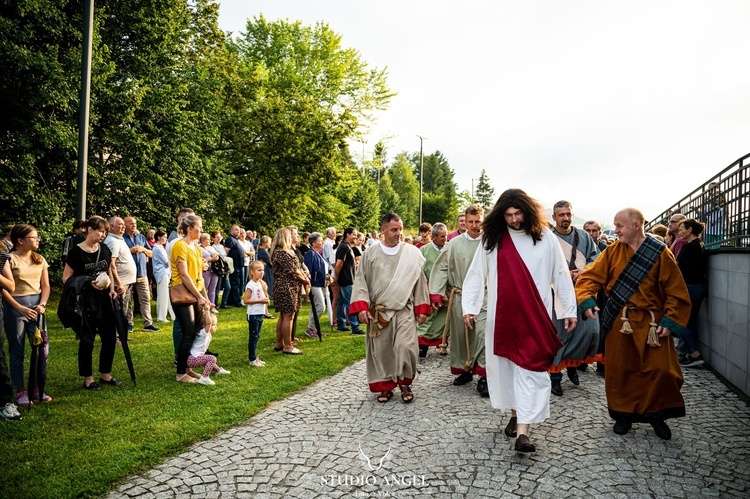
82 443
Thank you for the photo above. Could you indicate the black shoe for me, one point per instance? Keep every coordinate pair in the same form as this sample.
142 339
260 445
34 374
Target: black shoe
482 387
510 430
582 367
690 361
110 382
662 430
556 388
573 376
423 351
343 329
151 327
357 331
523 444
94 386
463 378
622 427
600 369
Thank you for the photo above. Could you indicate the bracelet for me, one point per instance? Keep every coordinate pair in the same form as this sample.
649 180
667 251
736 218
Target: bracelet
43 305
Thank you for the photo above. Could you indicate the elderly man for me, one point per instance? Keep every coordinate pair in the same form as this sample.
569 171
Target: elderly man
647 302
677 241
431 332
446 283
389 291
125 272
141 253
523 264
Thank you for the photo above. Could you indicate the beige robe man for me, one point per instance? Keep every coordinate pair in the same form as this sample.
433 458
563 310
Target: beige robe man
391 289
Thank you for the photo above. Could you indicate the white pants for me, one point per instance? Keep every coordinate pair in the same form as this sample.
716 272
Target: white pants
162 301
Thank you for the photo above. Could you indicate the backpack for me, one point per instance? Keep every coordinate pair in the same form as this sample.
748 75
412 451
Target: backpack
219 267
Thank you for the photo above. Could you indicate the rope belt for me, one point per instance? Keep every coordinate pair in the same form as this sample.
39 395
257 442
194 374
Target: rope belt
441 349
380 321
653 338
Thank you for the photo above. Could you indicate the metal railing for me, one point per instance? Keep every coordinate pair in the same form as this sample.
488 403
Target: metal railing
722 203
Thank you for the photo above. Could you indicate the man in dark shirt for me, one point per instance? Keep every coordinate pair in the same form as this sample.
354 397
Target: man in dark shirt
235 251
345 279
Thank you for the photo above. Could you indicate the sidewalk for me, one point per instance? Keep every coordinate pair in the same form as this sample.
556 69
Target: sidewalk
450 443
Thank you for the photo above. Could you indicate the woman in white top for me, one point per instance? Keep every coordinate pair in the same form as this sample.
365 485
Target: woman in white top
23 307
162 276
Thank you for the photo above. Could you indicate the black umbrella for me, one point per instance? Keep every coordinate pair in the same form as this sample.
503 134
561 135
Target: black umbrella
121 323
315 315
38 364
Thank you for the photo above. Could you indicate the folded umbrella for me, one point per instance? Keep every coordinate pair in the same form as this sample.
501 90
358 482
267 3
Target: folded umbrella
121 324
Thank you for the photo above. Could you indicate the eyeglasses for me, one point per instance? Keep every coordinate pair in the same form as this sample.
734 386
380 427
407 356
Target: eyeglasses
33 237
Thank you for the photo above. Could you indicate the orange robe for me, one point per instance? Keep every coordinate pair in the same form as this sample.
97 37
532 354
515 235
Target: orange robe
642 383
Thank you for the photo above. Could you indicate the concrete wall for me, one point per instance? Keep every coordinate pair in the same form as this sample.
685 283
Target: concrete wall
723 336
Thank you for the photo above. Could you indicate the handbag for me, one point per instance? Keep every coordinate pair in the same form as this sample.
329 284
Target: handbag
180 295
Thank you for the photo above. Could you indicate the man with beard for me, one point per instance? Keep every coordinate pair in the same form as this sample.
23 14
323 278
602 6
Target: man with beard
579 250
523 264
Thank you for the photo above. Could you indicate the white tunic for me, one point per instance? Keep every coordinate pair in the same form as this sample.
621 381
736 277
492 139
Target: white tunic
511 386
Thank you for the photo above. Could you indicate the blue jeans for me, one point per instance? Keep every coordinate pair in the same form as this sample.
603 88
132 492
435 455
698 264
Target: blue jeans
254 323
17 328
342 308
235 294
223 284
697 293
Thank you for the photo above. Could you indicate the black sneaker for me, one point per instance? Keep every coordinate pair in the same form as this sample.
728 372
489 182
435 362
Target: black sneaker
343 329
357 331
690 361
151 327
94 386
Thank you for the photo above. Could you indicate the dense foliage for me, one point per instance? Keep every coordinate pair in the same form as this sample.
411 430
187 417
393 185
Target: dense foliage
251 129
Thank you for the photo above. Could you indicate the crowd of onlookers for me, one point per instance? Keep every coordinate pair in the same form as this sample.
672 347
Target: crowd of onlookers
113 268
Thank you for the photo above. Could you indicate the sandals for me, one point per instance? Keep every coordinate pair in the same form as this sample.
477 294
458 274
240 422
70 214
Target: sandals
186 378
293 351
192 374
384 397
277 348
406 394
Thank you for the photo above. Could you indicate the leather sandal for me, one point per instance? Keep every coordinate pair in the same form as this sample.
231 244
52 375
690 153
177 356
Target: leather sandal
186 378
406 394
385 396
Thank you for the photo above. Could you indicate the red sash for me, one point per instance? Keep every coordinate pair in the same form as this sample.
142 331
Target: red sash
524 332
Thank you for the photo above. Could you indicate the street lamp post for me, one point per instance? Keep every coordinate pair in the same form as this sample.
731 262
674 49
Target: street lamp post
83 114
421 176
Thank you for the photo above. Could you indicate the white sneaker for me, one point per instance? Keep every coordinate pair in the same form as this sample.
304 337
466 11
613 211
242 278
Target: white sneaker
223 371
262 362
205 380
257 362
10 411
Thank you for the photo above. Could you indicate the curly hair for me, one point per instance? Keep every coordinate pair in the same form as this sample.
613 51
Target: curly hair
495 226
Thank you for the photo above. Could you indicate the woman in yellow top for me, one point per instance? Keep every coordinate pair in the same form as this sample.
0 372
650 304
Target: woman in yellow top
26 303
186 261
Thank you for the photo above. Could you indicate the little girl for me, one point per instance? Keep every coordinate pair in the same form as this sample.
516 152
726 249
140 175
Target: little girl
256 299
198 355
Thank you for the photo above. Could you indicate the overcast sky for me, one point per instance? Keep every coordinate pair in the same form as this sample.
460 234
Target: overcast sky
606 104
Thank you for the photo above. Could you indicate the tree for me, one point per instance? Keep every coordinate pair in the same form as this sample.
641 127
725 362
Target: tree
405 183
485 193
439 201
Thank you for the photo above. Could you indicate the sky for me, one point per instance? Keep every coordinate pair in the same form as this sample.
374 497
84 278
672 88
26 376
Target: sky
607 104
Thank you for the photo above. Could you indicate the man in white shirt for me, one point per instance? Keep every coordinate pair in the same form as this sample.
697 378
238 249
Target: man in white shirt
125 272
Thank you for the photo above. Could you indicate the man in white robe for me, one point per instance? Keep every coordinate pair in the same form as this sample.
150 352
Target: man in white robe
389 291
523 263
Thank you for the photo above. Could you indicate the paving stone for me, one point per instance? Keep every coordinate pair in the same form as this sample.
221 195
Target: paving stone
450 443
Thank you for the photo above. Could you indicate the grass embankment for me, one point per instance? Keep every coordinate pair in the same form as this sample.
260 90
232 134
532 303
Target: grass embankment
83 442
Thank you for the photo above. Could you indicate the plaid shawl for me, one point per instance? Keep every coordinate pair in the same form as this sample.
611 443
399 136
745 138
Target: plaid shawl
629 279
